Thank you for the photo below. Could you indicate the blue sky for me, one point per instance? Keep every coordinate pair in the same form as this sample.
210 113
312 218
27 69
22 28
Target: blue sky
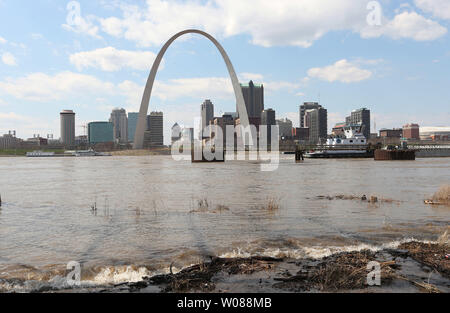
395 62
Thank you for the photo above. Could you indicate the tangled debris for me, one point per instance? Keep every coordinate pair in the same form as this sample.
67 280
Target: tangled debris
344 271
199 277
363 198
338 272
431 254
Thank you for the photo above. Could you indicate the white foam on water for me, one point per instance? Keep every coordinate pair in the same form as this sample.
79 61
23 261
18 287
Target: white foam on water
314 252
121 274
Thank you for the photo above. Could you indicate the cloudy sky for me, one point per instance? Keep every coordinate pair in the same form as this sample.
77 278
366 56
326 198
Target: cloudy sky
91 56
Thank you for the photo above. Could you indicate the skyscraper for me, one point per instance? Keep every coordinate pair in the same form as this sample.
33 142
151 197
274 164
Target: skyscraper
285 128
176 133
132 123
67 118
303 108
360 117
268 119
317 122
100 132
154 136
254 99
120 122
207 113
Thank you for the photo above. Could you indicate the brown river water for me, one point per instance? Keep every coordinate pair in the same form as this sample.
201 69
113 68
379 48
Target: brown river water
148 214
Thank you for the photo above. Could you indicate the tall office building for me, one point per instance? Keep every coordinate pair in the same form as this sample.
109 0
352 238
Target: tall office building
268 119
222 123
285 128
317 122
303 108
132 123
254 99
360 117
176 133
120 122
187 134
100 132
67 118
154 136
207 114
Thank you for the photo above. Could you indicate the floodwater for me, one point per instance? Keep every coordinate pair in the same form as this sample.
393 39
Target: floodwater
148 213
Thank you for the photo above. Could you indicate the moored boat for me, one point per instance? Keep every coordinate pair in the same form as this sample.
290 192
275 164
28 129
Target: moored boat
353 145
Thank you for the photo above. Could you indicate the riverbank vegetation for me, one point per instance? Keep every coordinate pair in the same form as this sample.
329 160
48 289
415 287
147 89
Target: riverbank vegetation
442 195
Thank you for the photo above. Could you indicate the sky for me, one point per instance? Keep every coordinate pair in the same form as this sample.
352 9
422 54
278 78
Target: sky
392 57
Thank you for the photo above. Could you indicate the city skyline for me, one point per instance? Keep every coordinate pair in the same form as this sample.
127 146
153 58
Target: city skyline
92 69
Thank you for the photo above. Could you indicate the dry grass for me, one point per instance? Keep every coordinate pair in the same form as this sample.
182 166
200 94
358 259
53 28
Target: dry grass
221 208
442 195
206 206
203 204
443 239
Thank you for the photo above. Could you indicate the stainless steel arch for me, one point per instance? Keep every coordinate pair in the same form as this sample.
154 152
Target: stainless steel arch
140 129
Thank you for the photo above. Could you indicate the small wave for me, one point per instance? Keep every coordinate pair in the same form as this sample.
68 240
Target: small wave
314 252
105 276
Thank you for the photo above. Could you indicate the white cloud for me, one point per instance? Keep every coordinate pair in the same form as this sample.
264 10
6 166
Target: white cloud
43 87
110 59
2 40
293 116
342 71
439 8
407 25
9 59
297 23
250 76
217 88
267 22
199 88
334 118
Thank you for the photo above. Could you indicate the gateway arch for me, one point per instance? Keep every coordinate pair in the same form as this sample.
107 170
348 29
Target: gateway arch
141 125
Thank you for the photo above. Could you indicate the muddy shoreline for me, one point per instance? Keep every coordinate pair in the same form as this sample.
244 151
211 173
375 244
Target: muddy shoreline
411 267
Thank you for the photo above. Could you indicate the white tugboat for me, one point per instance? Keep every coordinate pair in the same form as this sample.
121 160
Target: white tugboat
354 145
